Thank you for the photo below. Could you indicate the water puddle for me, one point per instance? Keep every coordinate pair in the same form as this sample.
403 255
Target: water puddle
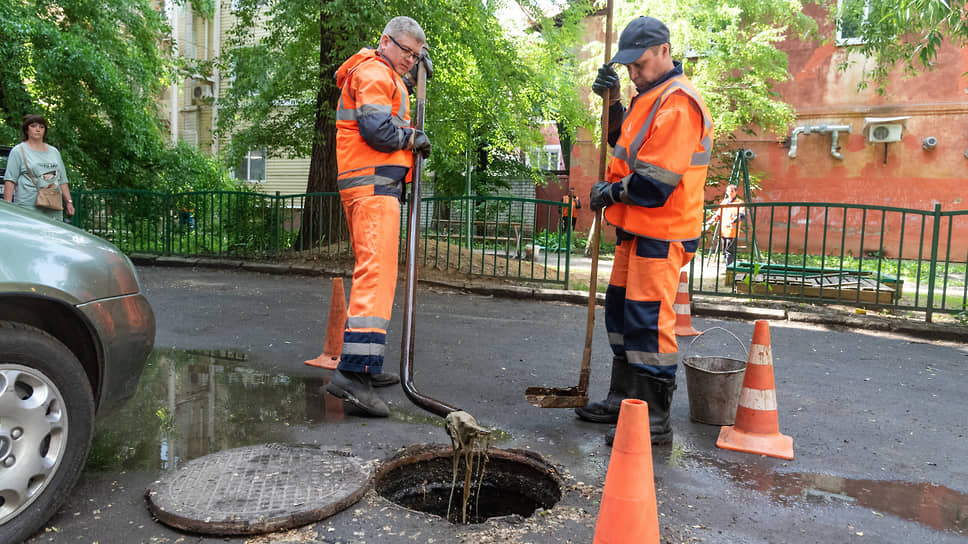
932 505
193 403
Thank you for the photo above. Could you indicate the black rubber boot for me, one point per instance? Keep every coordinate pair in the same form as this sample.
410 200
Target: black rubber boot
384 379
606 411
356 389
657 393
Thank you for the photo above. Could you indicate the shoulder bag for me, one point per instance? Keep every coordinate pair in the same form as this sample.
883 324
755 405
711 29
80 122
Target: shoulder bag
48 197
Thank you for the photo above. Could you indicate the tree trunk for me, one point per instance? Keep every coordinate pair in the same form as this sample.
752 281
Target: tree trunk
323 222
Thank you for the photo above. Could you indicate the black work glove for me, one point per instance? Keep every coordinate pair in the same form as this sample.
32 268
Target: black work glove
601 196
410 78
607 79
421 143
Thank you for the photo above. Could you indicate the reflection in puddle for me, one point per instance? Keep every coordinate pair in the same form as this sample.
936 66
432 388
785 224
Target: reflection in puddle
192 403
931 505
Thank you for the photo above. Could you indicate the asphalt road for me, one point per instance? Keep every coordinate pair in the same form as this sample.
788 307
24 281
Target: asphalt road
878 421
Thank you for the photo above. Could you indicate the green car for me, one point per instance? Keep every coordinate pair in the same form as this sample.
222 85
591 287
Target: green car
75 332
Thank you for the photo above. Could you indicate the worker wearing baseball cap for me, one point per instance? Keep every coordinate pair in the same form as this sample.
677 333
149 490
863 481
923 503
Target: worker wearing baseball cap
653 195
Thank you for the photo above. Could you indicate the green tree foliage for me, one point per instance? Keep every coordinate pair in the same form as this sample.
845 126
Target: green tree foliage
488 95
904 34
95 70
729 50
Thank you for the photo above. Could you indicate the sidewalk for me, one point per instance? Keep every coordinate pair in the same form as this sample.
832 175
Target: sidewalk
741 309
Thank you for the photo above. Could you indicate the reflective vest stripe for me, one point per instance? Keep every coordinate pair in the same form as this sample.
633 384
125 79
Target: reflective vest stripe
679 170
363 348
367 322
698 159
657 173
651 359
370 179
356 159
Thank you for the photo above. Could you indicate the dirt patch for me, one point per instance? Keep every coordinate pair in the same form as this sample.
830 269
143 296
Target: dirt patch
442 261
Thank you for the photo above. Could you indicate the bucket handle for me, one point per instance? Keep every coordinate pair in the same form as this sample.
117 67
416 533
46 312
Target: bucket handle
745 349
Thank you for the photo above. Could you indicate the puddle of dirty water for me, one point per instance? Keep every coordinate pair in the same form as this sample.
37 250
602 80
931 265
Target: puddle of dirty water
932 505
192 403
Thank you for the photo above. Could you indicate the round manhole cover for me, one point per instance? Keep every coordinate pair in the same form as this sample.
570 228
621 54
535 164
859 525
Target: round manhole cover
258 489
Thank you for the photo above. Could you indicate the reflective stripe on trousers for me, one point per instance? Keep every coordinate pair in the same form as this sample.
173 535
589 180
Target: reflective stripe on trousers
374 224
639 314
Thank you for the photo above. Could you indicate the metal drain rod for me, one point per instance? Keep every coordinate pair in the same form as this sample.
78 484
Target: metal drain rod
459 424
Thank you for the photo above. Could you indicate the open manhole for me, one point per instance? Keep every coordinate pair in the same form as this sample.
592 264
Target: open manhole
514 482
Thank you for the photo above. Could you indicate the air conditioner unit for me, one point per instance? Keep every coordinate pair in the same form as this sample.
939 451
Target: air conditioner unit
882 133
201 92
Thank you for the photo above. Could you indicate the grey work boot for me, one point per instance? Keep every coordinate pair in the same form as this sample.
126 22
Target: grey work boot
384 379
657 394
606 411
355 388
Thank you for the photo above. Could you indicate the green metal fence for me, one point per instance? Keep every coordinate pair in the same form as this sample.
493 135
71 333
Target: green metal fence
501 237
879 257
870 256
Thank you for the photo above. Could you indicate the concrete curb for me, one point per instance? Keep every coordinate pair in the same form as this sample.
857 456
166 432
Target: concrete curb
734 310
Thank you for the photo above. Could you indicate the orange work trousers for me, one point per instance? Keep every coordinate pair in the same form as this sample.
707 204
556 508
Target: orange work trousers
374 223
639 313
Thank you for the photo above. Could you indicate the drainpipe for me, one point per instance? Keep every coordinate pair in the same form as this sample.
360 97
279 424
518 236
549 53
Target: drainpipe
833 130
793 140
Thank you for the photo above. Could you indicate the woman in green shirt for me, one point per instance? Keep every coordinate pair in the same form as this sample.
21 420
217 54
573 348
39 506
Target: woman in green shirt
46 167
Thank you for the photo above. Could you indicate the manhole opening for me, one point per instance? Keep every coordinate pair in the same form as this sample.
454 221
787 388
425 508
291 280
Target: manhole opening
515 482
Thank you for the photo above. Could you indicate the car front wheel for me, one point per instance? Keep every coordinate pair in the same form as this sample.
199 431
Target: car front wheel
46 426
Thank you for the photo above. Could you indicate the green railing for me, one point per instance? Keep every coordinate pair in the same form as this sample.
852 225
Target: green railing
879 257
480 236
870 256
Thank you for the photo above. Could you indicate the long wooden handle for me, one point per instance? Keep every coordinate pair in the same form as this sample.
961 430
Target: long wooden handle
595 237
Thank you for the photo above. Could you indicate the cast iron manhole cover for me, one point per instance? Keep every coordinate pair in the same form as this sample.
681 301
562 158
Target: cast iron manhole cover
258 489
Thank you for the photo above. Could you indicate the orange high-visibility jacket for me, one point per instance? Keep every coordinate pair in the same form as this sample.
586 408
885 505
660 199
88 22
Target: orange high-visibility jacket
658 166
730 217
372 123
571 203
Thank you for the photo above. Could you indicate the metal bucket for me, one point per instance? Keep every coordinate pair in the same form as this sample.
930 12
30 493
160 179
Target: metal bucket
714 385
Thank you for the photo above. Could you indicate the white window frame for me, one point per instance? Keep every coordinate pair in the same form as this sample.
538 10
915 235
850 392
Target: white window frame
851 40
546 153
247 164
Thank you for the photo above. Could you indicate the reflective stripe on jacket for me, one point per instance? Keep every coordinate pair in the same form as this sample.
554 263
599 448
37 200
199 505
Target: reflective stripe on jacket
658 168
372 123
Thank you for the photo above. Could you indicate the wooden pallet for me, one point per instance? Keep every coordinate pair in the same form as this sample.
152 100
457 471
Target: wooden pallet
846 287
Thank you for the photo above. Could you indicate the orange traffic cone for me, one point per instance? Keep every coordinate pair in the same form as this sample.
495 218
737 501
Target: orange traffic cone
681 306
628 512
757 429
335 324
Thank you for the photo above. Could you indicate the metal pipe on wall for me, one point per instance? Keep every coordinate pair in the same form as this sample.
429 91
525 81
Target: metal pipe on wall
833 130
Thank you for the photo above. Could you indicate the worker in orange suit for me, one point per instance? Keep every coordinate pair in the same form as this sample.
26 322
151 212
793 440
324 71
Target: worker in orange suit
375 147
730 213
653 195
571 203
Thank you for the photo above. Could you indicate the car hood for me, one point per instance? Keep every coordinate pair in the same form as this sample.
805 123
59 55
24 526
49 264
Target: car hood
52 258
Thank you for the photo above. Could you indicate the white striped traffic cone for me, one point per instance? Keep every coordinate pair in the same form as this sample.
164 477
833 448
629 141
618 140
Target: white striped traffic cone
757 429
681 306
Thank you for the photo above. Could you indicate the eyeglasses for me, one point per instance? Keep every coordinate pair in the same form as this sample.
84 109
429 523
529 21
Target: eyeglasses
406 51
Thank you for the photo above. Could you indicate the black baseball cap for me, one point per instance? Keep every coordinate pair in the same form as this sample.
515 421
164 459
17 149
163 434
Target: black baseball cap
639 35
